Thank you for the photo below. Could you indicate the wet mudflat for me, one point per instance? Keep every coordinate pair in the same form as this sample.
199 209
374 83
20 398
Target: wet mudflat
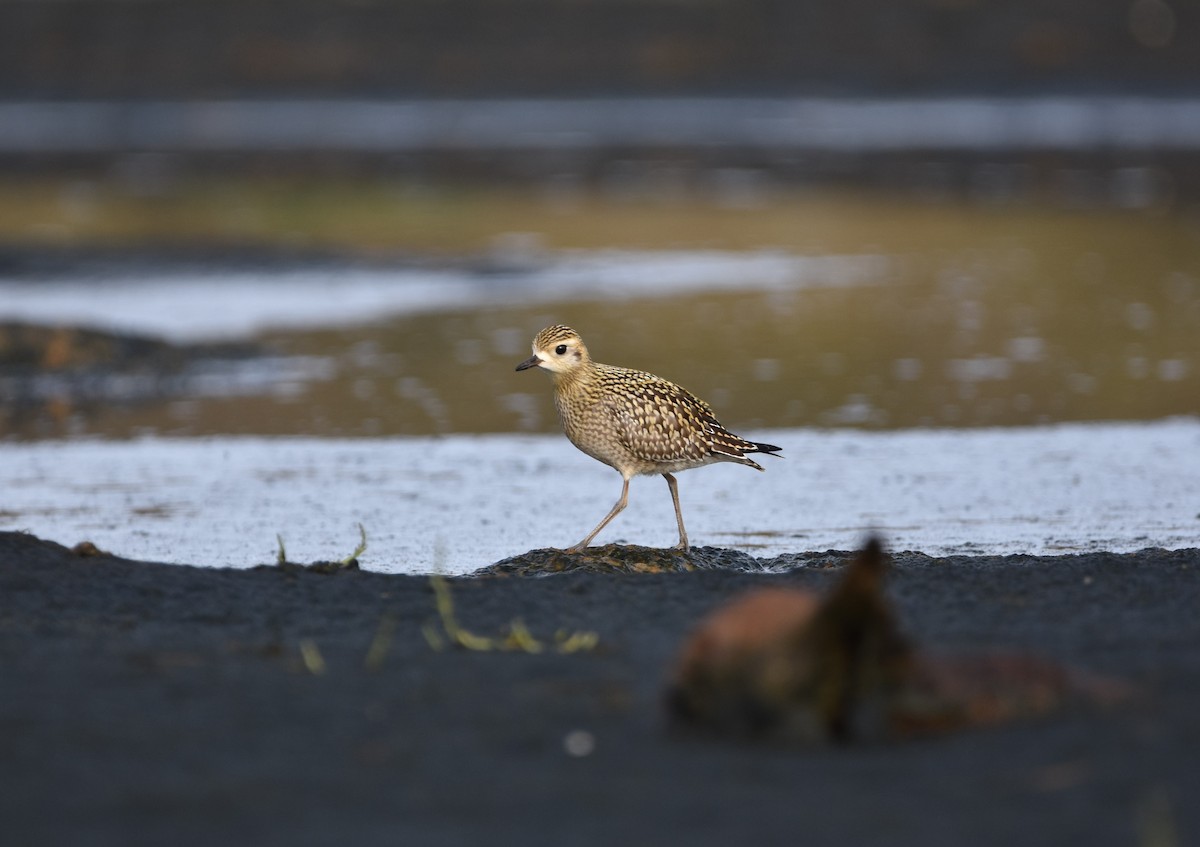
145 703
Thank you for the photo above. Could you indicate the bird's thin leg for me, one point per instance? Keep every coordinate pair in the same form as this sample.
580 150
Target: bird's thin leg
616 510
683 542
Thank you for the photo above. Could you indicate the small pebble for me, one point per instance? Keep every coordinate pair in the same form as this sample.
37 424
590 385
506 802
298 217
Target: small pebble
579 743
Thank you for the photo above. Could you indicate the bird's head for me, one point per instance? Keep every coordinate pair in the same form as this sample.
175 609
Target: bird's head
558 349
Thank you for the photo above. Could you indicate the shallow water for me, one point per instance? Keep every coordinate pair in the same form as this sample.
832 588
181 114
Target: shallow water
971 319
217 305
349 392
458 503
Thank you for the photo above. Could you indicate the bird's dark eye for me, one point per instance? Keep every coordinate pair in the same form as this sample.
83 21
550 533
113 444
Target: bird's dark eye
560 349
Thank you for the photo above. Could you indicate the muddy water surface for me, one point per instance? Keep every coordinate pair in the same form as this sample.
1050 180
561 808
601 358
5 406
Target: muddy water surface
831 313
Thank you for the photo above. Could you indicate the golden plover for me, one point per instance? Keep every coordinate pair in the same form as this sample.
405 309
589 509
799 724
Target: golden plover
633 421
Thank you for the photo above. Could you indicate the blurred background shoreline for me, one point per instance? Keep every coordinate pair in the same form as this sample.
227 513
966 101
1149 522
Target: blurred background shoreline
937 96
345 218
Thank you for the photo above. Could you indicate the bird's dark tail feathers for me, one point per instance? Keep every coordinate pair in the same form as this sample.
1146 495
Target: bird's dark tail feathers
769 449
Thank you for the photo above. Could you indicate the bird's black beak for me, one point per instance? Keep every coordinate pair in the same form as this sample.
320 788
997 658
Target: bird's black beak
531 362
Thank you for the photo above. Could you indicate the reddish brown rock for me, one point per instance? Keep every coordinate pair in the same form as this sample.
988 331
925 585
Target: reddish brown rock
788 664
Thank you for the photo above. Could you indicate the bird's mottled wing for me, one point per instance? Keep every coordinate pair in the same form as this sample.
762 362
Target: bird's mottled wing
658 421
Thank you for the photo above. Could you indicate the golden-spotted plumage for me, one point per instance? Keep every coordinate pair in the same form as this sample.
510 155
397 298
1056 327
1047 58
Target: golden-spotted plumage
633 421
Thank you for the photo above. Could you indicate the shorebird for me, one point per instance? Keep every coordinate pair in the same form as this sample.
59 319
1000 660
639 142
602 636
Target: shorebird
634 422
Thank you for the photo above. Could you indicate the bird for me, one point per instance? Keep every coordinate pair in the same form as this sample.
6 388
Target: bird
633 421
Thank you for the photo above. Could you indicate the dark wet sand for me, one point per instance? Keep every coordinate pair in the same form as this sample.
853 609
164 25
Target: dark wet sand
159 704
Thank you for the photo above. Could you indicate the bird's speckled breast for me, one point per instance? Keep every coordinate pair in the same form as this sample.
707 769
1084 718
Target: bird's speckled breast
588 425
